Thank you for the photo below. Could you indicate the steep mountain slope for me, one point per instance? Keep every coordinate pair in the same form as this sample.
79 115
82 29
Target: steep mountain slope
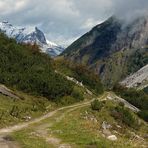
113 48
138 80
24 35
24 68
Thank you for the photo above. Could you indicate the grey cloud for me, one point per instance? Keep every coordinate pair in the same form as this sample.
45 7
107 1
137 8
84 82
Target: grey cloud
131 9
65 20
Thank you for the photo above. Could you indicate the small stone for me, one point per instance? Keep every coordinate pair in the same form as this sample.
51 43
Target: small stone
112 138
105 125
106 132
118 126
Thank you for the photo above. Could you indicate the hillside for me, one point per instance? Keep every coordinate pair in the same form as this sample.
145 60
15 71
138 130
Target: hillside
80 73
23 67
25 70
114 49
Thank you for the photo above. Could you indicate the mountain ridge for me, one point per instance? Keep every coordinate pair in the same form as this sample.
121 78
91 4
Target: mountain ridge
33 36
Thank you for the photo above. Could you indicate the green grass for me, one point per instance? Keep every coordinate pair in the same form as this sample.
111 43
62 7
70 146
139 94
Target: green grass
71 128
73 131
76 130
13 111
28 140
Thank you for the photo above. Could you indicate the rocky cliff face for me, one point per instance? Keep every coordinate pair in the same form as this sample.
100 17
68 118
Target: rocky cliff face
24 35
133 35
137 80
112 48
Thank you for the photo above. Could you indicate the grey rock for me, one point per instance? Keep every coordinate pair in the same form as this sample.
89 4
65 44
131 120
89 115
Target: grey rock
105 125
112 137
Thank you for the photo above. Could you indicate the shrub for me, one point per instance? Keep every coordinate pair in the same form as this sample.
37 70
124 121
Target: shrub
66 100
77 94
121 104
80 72
144 115
138 98
146 90
125 116
88 77
25 68
96 105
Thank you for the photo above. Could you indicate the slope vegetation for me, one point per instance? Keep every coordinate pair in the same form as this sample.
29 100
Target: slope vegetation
23 67
138 98
30 84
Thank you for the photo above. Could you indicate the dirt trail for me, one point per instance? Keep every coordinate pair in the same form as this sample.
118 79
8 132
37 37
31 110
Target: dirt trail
5 131
4 143
50 114
42 131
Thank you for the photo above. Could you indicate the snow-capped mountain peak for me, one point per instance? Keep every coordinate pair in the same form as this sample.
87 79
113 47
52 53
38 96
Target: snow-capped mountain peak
25 35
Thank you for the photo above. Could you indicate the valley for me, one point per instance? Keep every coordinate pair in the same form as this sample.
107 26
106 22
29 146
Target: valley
93 94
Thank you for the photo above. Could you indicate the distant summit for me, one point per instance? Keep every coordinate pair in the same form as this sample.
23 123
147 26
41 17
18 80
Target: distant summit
24 35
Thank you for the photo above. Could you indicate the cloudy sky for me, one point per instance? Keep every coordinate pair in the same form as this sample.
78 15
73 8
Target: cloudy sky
65 20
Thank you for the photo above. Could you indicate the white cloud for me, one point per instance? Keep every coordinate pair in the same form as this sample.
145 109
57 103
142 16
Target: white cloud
130 9
90 23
